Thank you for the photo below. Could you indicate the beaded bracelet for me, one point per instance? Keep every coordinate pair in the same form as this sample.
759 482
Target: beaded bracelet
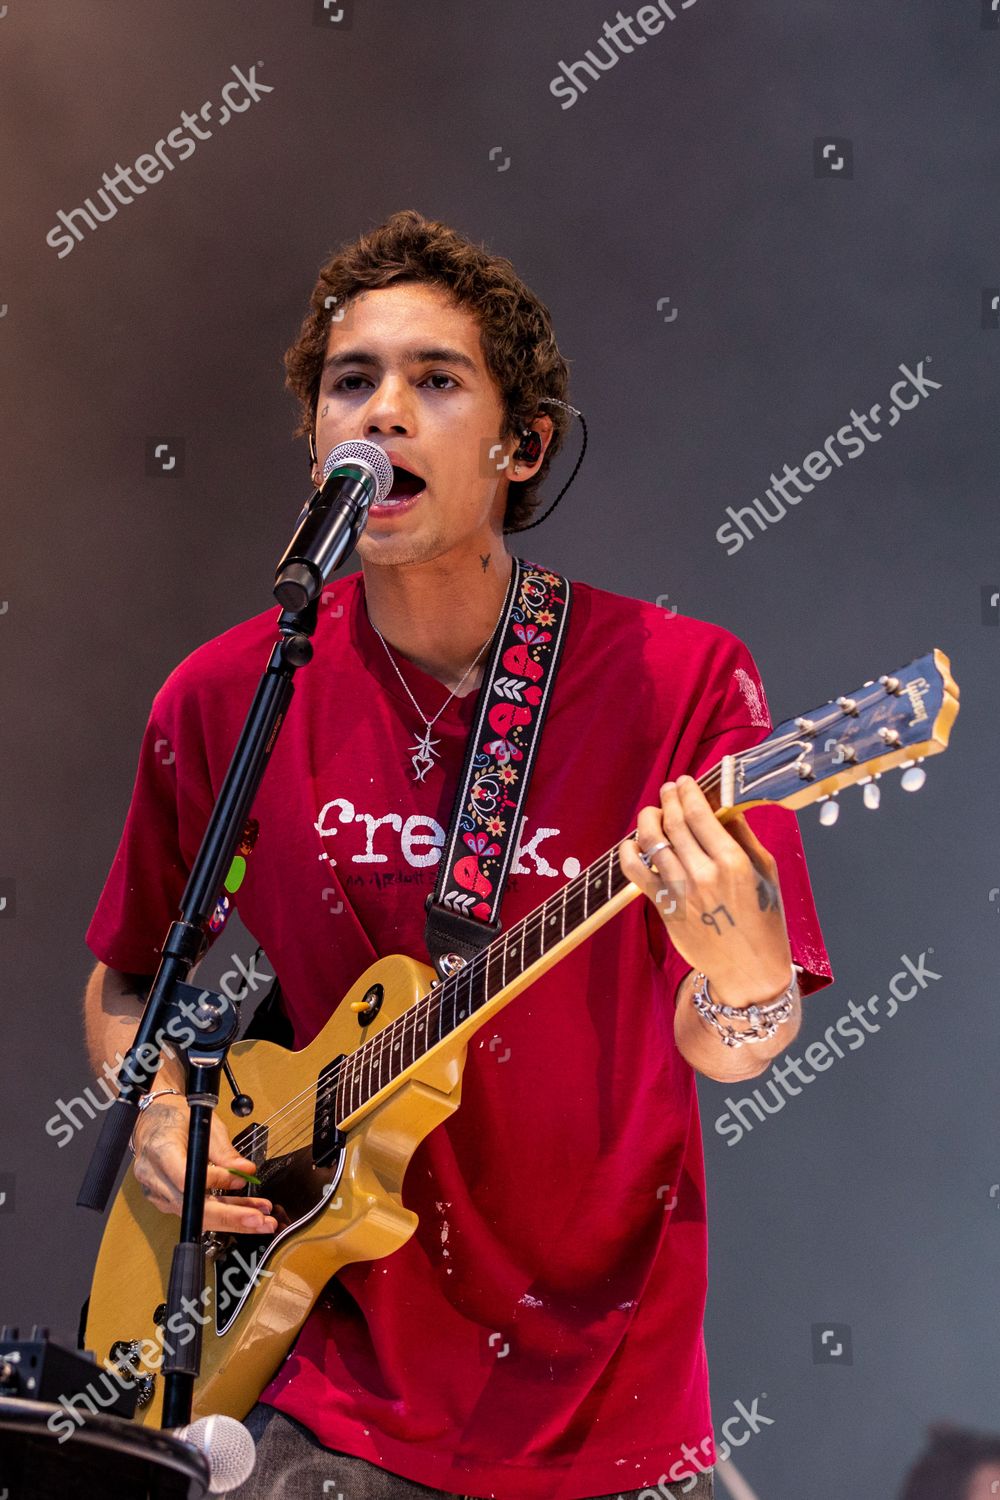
775 1013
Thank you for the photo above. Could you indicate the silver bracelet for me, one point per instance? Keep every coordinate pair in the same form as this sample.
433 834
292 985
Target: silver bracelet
774 1014
144 1103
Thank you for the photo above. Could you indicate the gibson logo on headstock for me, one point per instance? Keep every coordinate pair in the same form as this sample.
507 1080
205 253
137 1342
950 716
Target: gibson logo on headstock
916 691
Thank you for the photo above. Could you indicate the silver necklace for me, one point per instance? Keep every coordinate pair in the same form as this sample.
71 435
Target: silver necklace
425 753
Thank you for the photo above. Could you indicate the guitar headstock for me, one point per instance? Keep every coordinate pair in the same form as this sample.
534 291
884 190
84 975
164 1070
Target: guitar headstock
896 721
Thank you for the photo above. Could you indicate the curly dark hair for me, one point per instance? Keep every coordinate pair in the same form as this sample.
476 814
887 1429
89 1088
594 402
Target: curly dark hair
945 1468
516 333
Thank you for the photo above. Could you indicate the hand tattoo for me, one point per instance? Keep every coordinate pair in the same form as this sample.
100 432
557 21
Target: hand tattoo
768 895
708 917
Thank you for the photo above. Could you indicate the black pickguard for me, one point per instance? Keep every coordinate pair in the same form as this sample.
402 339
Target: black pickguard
298 1184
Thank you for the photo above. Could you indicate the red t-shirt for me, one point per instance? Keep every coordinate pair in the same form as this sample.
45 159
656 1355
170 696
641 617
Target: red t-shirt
539 1337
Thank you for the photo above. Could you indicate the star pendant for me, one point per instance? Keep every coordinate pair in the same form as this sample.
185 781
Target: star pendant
425 756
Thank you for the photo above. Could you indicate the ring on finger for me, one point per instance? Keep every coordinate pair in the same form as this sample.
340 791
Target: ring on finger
647 855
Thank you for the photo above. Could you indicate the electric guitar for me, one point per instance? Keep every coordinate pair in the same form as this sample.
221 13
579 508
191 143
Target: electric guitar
336 1124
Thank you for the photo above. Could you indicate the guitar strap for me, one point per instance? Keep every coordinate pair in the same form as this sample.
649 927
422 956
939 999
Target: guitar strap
463 911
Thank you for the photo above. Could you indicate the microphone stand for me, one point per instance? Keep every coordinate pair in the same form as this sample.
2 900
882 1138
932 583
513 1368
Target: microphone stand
172 1003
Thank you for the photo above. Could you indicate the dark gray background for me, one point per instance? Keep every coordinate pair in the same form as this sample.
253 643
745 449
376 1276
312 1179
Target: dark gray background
685 172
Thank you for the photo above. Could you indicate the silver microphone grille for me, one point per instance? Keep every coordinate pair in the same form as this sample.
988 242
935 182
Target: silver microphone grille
229 1448
356 452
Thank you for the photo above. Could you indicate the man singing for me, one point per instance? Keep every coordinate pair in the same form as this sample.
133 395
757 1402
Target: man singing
540 1335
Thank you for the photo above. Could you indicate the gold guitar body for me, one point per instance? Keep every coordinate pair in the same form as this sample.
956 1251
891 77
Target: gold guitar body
361 1218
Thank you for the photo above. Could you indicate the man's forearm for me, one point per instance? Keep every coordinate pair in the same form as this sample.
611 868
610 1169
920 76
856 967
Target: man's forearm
113 1007
702 1046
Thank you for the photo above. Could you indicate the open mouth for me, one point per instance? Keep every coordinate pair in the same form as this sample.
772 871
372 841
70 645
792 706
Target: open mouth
405 486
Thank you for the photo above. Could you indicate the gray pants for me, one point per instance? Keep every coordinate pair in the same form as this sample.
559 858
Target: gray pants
292 1465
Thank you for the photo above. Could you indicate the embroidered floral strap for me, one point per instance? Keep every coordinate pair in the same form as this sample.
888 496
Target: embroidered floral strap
463 911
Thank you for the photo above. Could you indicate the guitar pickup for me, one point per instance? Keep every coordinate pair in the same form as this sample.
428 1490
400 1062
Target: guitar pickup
328 1140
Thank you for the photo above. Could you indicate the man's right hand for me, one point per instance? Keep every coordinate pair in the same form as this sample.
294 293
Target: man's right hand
160 1142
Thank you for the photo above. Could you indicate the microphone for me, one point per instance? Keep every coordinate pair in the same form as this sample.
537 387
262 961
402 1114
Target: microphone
355 476
227 1445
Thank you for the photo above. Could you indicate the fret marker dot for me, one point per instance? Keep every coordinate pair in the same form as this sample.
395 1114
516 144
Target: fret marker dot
571 868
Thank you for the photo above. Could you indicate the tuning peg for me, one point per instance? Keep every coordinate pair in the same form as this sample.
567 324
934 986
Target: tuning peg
829 811
913 776
872 796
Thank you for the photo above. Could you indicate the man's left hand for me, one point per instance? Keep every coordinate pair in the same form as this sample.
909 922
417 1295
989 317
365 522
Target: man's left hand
716 889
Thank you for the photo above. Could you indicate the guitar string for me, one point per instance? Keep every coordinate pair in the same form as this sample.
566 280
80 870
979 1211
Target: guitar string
300 1110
